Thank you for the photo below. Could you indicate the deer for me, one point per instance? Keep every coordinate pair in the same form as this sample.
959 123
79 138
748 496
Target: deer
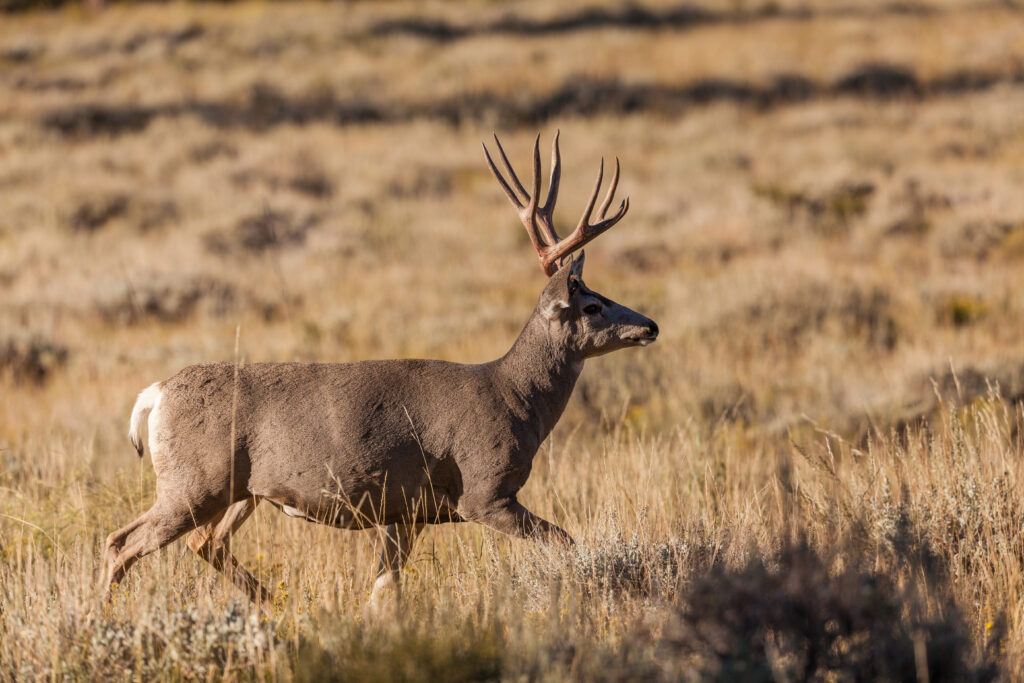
387 444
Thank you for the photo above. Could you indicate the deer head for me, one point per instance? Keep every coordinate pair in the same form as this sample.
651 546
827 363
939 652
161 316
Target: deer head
579 319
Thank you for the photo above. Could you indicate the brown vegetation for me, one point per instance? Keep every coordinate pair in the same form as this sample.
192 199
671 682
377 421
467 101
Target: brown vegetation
814 473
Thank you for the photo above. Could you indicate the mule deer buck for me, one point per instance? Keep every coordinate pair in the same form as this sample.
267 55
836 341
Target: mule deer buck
392 444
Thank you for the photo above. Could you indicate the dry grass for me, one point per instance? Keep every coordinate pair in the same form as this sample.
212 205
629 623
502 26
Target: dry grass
813 474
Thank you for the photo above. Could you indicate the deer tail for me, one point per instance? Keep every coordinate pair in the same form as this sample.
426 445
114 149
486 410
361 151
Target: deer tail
144 405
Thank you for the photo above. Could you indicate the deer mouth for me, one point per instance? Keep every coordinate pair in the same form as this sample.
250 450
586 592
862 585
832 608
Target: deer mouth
642 339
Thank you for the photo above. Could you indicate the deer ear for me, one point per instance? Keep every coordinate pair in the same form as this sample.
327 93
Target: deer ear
576 267
555 299
554 309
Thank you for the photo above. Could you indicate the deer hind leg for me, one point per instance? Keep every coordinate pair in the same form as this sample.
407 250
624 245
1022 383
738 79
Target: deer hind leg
510 517
157 527
212 542
397 541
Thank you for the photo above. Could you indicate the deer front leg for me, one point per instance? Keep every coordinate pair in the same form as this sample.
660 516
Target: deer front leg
510 517
397 541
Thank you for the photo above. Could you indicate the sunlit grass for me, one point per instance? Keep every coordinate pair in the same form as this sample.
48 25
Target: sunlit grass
834 400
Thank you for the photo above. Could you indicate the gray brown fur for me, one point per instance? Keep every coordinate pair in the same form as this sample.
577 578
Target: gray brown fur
393 444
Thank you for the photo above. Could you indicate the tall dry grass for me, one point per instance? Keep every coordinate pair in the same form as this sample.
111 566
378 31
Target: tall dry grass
813 473
699 555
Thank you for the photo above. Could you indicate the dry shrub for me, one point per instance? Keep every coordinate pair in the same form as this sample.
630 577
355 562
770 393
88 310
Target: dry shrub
792 617
796 315
208 151
618 562
312 181
426 181
93 214
98 120
180 643
257 233
981 239
829 213
267 106
731 402
96 213
170 300
880 80
961 310
307 179
29 358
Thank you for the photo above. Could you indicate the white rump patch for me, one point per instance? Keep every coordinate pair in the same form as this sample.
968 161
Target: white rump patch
145 405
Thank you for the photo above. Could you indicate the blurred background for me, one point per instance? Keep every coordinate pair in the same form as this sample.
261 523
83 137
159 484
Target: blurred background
826 221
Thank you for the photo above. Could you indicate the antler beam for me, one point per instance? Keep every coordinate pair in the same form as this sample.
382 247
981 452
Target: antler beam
539 220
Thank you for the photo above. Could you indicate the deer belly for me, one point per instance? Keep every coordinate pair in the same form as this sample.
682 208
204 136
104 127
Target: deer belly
362 504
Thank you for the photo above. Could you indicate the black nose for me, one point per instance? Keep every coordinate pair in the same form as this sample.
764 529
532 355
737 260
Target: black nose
652 327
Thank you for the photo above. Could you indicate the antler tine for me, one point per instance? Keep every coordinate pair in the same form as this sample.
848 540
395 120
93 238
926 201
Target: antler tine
584 234
501 179
611 192
508 167
546 213
585 231
535 194
528 211
609 222
585 218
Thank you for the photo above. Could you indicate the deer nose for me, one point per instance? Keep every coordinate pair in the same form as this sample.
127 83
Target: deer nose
652 328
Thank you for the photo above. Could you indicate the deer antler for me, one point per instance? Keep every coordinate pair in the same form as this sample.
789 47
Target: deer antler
539 220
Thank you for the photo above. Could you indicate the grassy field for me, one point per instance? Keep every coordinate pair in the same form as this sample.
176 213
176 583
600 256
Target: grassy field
815 474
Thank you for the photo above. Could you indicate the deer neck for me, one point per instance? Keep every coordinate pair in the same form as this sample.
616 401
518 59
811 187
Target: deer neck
537 375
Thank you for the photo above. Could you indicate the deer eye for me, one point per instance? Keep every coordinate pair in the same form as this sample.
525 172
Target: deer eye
591 309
